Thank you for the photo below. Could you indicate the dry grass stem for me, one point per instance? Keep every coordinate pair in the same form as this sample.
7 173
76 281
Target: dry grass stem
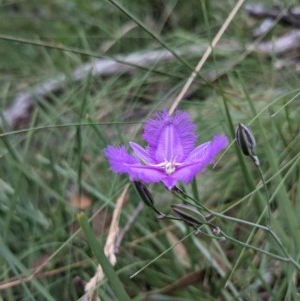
109 248
205 56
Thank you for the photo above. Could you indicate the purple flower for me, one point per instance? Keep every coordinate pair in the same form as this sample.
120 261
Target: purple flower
170 156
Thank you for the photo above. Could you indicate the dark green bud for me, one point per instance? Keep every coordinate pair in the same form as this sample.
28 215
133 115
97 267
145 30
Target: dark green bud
144 193
189 214
246 142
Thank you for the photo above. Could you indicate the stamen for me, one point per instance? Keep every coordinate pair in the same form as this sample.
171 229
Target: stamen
168 166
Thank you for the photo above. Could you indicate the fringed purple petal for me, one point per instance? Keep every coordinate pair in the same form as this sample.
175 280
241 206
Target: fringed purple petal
186 130
206 152
199 158
199 152
147 174
170 137
153 127
121 162
169 145
119 159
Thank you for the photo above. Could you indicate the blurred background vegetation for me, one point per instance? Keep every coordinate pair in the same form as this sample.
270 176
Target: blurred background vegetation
52 166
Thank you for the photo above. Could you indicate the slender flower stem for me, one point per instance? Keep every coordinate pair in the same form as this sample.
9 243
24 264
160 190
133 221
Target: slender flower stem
159 213
234 219
278 241
267 197
267 229
254 248
258 226
246 143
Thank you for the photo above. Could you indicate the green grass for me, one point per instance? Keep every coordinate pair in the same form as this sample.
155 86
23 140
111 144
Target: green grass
57 155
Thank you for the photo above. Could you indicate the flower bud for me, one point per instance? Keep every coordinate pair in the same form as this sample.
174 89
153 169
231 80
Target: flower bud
246 142
144 193
189 214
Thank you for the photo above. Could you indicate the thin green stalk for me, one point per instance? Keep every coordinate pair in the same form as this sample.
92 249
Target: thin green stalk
267 197
252 107
285 208
154 36
255 225
248 178
17 266
267 229
253 231
75 124
230 238
195 190
79 147
119 59
98 251
161 254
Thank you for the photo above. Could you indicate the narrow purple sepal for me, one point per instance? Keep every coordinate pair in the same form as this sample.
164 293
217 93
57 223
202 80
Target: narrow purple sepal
141 153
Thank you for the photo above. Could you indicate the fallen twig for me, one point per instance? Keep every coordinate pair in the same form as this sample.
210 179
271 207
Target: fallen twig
23 103
19 112
284 16
283 44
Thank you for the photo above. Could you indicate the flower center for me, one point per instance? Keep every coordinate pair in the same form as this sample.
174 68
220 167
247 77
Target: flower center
168 166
